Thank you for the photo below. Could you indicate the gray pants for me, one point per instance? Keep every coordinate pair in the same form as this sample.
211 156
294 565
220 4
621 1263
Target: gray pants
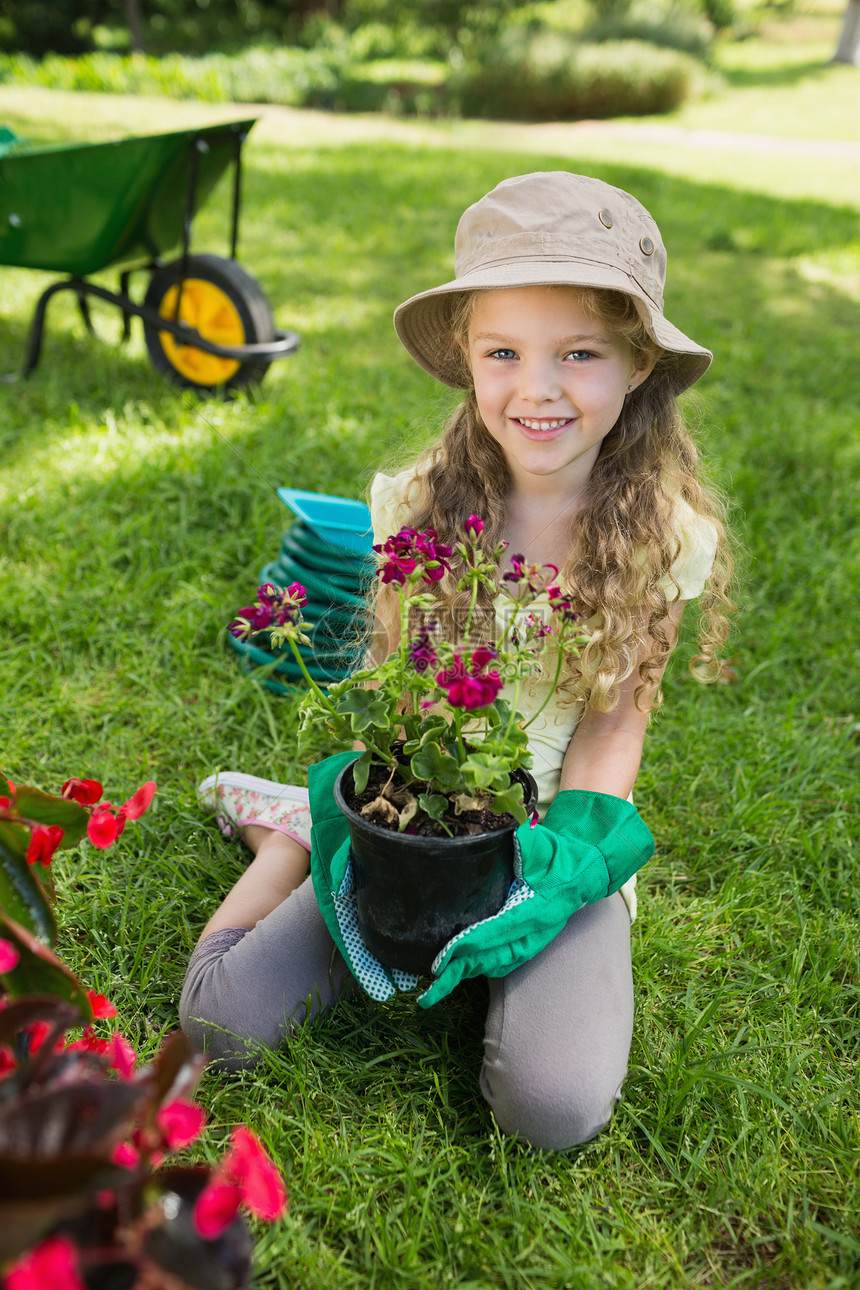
557 1034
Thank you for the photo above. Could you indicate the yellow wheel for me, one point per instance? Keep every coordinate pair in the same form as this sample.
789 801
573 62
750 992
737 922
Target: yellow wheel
225 305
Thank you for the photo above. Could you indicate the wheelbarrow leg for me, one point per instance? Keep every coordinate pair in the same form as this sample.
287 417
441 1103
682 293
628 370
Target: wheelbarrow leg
84 310
33 348
124 284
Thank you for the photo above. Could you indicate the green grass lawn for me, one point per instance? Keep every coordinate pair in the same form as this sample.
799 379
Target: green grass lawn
133 523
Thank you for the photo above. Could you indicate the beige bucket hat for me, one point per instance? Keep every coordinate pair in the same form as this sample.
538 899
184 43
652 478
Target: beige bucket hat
547 229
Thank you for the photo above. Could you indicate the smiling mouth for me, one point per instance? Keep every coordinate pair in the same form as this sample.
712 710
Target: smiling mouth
555 424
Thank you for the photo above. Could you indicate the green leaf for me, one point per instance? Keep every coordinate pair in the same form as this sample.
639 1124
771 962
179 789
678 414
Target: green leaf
511 801
364 709
433 804
486 770
361 771
22 896
39 971
45 808
431 727
430 764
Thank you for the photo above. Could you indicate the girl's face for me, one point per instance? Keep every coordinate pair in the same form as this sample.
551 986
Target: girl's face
550 381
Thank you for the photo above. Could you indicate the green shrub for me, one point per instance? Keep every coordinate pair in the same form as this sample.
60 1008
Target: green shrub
673 28
555 78
287 76
550 76
397 86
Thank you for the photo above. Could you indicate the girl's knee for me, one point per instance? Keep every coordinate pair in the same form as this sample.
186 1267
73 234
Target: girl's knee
210 1027
552 1111
213 1013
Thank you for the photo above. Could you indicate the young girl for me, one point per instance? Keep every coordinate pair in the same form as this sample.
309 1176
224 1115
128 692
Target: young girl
570 446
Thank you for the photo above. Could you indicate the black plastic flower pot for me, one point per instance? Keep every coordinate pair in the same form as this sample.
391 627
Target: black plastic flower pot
414 893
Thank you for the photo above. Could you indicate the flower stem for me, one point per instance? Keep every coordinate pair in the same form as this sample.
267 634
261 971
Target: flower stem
551 691
514 711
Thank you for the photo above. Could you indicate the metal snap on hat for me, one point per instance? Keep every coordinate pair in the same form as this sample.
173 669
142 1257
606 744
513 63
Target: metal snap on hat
551 228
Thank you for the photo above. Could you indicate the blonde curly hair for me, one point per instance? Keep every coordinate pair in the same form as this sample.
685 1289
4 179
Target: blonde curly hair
623 535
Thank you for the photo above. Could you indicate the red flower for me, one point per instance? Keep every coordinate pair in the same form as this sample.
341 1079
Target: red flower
53 1265
89 1042
180 1123
44 840
122 1056
139 801
104 827
85 791
9 956
101 1005
216 1207
125 1156
246 1176
107 822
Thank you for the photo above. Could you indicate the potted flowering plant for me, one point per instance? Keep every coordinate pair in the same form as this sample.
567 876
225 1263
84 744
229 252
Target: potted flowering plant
446 753
88 1200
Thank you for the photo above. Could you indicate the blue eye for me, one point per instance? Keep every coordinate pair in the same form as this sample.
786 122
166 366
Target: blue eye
580 355
503 354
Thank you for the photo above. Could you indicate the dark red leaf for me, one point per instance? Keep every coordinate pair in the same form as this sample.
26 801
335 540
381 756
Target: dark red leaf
45 808
65 1126
40 972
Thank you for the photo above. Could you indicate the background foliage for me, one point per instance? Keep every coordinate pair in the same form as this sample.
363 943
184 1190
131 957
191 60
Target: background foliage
565 58
133 525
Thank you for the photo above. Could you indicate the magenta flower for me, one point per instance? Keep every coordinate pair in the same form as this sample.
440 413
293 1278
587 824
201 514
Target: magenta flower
274 607
53 1265
483 655
474 527
410 556
531 579
476 691
456 672
250 620
9 956
421 652
563 606
470 690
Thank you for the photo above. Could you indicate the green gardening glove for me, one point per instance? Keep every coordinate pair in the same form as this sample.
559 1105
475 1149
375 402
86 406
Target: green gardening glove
587 847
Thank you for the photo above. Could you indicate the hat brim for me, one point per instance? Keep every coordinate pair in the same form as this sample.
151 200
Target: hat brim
423 322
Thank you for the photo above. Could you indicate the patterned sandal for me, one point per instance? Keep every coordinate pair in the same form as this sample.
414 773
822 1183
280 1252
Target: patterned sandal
237 800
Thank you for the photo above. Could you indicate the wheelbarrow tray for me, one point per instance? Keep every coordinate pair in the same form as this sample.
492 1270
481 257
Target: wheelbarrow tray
80 208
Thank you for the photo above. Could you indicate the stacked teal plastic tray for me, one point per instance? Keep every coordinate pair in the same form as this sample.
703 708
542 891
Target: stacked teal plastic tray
328 550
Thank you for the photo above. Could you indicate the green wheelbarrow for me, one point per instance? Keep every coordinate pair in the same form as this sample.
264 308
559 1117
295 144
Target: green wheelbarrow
78 209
